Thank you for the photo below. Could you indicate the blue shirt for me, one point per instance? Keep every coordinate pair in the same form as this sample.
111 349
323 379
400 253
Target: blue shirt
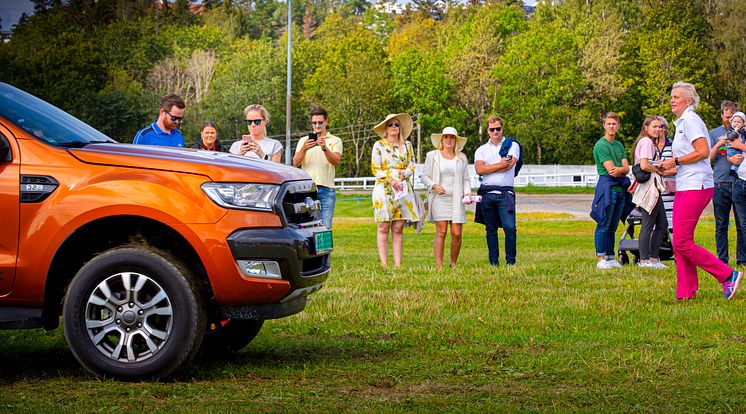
721 166
153 135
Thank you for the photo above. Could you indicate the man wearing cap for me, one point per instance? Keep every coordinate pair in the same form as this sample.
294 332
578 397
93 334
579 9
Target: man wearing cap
497 208
722 199
163 131
319 157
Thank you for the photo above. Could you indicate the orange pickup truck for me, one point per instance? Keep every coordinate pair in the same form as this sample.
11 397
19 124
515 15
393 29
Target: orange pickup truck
149 254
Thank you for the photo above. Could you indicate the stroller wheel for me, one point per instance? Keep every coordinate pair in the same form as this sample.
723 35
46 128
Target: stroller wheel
623 258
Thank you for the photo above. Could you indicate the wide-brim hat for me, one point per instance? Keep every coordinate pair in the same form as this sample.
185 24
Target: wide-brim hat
405 125
437 138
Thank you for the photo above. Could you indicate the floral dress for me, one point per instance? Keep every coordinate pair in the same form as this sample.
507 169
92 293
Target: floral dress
387 161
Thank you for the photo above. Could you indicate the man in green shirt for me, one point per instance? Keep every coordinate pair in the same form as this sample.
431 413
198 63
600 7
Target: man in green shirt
612 161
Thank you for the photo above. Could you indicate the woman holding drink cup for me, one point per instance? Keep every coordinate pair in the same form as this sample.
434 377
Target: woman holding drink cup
446 176
257 144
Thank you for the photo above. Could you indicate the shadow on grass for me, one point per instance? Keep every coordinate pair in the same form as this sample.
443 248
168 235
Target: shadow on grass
299 353
35 361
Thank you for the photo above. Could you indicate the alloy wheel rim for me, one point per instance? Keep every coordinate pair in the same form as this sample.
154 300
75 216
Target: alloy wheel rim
129 317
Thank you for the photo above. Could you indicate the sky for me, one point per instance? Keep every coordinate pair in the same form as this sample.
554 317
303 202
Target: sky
11 10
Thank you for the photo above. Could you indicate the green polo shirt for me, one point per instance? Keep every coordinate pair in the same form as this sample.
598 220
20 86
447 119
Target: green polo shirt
604 151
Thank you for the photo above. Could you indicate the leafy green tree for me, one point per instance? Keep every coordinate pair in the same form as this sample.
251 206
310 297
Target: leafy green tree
351 81
253 73
540 84
474 50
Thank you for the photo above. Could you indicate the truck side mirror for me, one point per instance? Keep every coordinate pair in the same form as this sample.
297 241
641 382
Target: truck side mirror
5 154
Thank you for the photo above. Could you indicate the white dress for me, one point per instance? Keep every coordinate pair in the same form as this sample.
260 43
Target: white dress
442 206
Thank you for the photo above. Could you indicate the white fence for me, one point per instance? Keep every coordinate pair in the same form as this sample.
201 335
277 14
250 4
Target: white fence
538 175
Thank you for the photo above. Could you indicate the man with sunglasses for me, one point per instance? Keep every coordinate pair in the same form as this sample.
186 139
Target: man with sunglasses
497 208
318 154
163 131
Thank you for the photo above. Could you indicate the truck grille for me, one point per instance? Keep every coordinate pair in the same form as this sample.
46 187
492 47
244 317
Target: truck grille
300 204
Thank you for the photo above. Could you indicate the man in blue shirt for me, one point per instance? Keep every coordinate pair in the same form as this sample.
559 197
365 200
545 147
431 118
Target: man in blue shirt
722 201
163 130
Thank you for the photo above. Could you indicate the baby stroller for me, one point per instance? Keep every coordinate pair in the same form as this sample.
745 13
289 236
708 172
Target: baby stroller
628 242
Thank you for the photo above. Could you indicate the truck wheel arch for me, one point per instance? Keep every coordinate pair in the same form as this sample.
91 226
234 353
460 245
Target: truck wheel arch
103 234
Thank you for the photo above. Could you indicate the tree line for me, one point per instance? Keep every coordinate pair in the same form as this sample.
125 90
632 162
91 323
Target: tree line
550 74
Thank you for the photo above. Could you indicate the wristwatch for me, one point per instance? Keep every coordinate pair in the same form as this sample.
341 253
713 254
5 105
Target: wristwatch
676 160
324 149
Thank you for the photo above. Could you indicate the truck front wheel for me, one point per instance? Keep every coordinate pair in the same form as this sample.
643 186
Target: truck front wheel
133 313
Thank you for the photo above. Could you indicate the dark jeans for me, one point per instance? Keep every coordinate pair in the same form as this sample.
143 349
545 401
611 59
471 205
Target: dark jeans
500 206
603 238
722 202
739 208
654 227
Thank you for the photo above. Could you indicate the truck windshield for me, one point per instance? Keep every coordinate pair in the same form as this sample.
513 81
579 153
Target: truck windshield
46 121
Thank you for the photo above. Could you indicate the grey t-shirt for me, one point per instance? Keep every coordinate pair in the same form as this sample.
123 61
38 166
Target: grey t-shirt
721 168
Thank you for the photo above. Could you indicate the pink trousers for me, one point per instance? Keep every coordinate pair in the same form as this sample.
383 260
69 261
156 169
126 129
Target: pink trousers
687 207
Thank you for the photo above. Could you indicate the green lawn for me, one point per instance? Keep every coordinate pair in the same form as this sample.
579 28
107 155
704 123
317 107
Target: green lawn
550 334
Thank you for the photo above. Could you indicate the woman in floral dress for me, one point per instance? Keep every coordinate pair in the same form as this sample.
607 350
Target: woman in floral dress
392 163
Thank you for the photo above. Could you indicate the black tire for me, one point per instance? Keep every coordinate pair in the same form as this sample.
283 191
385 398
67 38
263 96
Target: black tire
229 335
132 313
623 258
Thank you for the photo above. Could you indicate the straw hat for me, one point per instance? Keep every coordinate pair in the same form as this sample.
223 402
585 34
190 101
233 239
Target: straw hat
405 125
437 138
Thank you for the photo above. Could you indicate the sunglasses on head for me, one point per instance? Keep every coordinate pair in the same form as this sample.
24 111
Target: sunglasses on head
495 129
393 124
317 122
254 121
174 118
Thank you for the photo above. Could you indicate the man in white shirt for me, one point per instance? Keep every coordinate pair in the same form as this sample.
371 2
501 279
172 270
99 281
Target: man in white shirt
319 156
495 162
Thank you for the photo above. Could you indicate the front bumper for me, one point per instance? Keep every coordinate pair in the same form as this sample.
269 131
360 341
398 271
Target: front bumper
292 248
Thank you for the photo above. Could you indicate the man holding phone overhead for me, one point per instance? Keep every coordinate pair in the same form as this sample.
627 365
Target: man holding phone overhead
497 207
318 154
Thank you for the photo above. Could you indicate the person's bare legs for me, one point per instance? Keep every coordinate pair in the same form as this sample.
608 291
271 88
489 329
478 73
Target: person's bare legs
382 240
441 229
455 242
396 240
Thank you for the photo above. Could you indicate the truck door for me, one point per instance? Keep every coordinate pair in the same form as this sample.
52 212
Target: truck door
10 162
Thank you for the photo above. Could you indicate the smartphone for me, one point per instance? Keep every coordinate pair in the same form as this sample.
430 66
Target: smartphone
509 156
312 136
246 138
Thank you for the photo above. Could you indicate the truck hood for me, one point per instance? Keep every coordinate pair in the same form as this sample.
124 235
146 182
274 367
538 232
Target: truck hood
218 166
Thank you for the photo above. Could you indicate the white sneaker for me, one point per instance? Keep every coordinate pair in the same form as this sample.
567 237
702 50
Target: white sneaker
614 263
645 264
657 265
603 265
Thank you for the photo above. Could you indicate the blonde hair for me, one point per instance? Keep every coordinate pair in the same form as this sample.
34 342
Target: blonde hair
400 140
262 110
689 91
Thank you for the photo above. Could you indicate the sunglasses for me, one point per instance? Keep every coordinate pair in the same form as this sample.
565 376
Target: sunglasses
393 124
174 118
254 121
317 122
495 129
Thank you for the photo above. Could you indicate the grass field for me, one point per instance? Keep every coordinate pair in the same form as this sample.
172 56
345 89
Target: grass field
550 334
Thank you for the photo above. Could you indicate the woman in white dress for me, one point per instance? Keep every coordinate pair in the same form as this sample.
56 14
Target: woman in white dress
446 176
257 145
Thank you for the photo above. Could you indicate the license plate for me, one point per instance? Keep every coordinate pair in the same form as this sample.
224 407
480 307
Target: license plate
323 241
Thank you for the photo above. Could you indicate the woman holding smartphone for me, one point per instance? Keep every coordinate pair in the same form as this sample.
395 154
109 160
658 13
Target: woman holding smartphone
257 145
447 179
648 194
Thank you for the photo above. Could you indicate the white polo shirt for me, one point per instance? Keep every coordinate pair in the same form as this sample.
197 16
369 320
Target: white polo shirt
696 176
490 154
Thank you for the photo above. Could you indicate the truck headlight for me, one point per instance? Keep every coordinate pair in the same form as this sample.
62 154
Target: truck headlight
244 196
